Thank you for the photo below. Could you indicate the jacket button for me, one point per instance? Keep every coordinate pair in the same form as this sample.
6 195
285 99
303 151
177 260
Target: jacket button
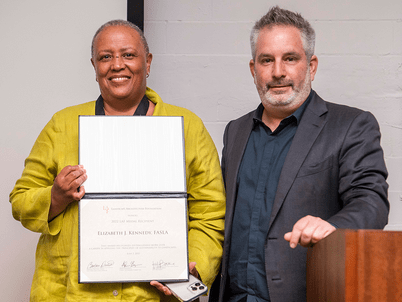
115 293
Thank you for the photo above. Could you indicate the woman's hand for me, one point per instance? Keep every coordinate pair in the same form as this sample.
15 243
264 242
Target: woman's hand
165 290
66 189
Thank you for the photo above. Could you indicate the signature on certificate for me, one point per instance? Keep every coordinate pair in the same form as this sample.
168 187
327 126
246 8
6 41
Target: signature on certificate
92 266
161 264
130 264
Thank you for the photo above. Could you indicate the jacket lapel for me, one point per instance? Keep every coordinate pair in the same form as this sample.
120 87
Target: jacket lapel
238 144
311 124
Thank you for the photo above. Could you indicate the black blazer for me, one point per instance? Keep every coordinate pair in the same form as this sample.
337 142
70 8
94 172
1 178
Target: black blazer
334 170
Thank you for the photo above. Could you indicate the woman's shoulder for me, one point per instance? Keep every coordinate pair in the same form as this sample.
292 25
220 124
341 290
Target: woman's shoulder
76 110
179 111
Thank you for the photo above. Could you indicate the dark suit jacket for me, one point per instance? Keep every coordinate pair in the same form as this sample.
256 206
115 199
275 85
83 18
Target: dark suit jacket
334 170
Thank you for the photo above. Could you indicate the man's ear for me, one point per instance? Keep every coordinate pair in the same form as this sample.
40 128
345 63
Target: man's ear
313 66
252 64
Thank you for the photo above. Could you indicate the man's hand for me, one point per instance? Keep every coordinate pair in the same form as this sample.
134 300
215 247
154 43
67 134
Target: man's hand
309 230
165 290
65 189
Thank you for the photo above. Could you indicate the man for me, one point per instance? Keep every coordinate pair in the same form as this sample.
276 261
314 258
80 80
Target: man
295 169
45 198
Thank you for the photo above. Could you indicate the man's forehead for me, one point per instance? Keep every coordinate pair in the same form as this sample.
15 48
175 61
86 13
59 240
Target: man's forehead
279 29
285 38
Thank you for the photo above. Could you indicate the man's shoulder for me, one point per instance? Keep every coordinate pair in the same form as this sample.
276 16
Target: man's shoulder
243 120
335 109
236 130
340 116
341 108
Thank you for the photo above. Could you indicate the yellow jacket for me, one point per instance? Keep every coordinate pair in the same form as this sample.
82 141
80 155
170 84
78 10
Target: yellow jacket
56 266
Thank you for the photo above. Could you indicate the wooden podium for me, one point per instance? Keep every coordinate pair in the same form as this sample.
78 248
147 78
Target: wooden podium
356 265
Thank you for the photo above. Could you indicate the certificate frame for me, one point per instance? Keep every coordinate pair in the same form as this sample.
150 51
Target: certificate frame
129 229
133 240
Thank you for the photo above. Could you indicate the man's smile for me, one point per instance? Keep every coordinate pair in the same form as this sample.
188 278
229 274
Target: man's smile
281 88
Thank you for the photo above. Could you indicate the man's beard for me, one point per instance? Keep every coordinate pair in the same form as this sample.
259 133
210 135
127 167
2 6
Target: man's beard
298 95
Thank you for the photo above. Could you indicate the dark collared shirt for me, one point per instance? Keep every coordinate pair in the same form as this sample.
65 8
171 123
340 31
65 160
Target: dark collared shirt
257 181
142 108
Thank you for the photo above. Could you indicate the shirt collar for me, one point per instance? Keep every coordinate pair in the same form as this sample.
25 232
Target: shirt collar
142 108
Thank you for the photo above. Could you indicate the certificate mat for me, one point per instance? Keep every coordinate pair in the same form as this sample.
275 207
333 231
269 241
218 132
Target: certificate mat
129 240
132 154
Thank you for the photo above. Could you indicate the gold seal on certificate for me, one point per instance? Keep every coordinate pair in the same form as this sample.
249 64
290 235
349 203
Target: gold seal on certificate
133 217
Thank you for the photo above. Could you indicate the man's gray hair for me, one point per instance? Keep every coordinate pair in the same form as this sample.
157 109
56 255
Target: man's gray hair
279 16
120 23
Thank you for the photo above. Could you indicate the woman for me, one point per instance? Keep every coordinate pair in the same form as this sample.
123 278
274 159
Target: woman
45 198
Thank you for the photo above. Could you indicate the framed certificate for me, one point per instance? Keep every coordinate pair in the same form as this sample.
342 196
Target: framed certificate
133 217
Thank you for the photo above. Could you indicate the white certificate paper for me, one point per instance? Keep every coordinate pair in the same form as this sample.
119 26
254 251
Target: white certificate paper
133 217
132 154
133 240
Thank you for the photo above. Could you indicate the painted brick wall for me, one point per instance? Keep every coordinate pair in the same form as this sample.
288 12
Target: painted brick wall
201 54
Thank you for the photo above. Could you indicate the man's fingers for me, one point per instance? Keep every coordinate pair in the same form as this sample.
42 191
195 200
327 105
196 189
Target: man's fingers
309 233
323 231
308 230
295 235
294 238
